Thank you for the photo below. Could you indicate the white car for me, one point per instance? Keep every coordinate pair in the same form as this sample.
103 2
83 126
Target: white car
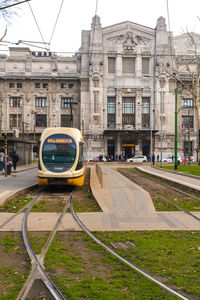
137 158
169 159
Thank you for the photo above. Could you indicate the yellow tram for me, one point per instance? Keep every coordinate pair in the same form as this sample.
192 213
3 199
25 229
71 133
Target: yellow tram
61 157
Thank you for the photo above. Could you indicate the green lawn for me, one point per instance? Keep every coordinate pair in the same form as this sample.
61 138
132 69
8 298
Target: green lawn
83 270
192 170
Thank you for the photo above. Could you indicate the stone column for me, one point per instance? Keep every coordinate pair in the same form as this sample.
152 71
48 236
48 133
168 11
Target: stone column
138 109
118 66
119 109
138 64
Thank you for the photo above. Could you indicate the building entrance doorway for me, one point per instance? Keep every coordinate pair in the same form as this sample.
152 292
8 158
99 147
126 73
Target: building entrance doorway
128 150
145 149
111 149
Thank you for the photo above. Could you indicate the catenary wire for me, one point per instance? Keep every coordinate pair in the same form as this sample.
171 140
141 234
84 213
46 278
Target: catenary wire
37 25
56 23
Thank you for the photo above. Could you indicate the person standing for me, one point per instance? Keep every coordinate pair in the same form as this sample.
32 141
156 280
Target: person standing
153 159
158 157
15 159
2 156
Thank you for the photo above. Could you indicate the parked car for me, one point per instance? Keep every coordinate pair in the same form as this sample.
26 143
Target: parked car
185 159
137 158
95 159
170 160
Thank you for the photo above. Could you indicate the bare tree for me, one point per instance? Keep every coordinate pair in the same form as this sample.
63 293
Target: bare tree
7 12
184 69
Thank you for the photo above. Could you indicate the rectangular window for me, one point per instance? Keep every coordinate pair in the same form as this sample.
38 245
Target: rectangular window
187 103
19 85
63 85
128 111
128 65
111 65
41 120
37 85
45 85
40 102
70 85
11 85
145 65
66 102
145 112
187 122
66 121
15 102
111 108
15 120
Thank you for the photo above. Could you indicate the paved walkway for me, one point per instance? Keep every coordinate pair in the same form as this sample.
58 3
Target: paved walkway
125 206
24 177
190 181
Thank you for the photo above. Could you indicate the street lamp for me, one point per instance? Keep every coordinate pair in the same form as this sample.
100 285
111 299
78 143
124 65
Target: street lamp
71 113
34 112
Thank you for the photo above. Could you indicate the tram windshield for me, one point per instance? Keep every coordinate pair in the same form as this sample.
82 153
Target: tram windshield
59 152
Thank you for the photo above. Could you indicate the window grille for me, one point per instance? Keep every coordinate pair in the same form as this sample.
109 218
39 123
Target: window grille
41 120
40 102
128 111
15 120
111 108
15 102
66 102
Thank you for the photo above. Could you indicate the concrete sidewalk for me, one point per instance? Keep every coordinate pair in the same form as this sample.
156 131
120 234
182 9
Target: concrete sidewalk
125 206
23 178
20 169
188 180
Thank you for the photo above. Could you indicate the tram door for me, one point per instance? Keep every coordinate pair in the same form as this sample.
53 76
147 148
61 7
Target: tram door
111 149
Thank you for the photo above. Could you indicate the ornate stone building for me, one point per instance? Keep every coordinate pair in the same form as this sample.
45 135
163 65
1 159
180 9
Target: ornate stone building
118 90
37 90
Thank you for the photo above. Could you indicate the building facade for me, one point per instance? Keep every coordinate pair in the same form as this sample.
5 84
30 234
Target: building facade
119 90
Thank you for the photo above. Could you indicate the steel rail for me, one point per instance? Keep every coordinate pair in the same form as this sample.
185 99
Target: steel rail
172 203
17 213
49 284
120 257
173 188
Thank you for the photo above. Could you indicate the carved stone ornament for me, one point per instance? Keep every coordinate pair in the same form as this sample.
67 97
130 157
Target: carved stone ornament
96 70
130 41
161 24
162 79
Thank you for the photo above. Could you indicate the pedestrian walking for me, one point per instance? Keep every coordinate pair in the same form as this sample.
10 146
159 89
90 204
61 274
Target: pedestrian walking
15 159
158 157
153 159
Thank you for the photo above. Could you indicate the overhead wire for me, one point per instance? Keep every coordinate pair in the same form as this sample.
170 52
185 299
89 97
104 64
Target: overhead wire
38 26
56 22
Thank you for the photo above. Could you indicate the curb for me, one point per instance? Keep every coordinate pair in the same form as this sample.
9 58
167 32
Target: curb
177 173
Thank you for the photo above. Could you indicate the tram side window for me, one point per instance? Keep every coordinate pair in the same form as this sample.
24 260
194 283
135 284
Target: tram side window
80 159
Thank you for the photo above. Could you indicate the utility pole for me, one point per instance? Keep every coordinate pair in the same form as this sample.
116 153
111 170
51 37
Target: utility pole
0 120
176 133
5 153
161 128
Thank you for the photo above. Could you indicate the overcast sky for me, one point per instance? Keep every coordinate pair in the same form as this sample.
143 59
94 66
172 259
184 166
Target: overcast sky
76 15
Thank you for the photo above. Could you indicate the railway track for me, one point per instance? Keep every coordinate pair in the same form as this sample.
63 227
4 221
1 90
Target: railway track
38 271
147 177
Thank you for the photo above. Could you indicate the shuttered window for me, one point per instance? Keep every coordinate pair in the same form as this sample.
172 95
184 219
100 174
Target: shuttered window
128 65
111 65
145 65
